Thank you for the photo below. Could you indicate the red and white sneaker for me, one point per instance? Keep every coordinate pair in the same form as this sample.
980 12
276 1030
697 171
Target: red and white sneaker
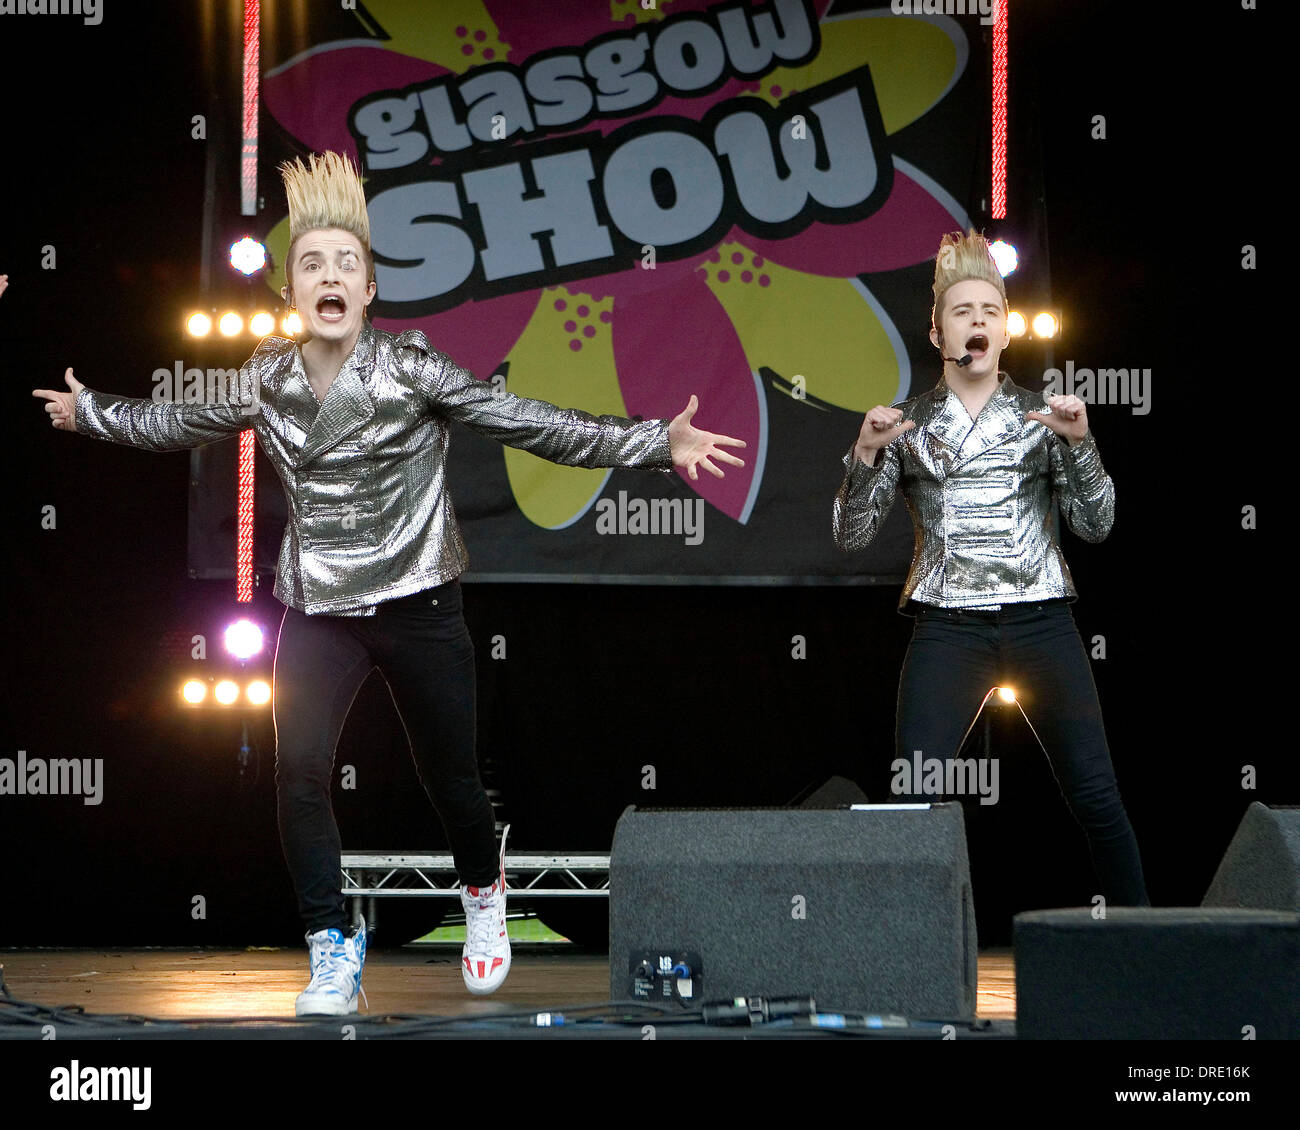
485 959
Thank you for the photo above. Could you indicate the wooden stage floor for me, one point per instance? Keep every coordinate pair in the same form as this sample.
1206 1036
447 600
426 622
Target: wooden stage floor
189 984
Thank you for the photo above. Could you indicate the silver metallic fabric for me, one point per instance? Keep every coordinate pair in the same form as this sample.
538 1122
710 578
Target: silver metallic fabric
980 497
365 470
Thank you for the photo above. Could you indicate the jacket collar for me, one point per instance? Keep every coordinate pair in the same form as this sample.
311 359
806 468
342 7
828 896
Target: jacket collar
347 406
949 424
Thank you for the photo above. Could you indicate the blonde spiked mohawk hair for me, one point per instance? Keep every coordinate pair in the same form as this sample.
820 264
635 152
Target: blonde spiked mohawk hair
963 257
325 193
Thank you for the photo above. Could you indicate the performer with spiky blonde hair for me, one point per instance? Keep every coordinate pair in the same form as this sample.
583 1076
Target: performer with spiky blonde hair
356 423
980 468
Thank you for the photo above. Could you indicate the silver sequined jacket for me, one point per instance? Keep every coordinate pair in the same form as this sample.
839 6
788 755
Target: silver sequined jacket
365 470
980 498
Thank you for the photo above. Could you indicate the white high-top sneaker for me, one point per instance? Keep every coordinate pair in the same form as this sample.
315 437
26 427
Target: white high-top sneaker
485 958
336 963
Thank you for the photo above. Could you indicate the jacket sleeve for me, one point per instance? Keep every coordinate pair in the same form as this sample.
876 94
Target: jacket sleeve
1085 492
865 498
161 425
562 435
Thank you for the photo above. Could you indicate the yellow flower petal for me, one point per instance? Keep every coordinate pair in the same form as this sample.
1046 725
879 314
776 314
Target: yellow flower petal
277 247
828 331
543 365
913 63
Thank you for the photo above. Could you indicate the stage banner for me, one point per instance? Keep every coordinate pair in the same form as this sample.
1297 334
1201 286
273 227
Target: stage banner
615 204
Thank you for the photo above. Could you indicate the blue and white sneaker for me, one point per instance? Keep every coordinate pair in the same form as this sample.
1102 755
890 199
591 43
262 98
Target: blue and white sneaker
485 958
336 963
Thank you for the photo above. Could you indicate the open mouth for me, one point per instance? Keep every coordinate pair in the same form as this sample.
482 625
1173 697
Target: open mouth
977 344
331 308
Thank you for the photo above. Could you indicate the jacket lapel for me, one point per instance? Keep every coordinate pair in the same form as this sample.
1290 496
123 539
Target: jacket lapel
947 427
347 405
999 420
297 403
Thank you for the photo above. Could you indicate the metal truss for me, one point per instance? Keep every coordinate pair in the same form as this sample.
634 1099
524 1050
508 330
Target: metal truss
371 875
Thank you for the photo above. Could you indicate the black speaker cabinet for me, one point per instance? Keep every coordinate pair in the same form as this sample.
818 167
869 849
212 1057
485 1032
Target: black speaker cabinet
1261 868
1162 973
867 910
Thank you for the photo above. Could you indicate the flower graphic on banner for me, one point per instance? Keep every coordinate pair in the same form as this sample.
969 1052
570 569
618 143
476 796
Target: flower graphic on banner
637 341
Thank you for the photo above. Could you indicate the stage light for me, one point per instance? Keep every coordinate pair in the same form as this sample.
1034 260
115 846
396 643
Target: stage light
258 692
1016 324
1007 694
243 639
261 324
194 691
292 325
198 324
247 256
1005 256
227 692
230 324
1045 325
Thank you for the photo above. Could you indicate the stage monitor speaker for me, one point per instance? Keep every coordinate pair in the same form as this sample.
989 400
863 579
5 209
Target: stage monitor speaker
834 792
866 910
1261 868
1163 973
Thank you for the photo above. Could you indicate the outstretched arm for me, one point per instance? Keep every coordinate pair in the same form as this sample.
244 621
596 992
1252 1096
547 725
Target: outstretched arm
565 435
148 424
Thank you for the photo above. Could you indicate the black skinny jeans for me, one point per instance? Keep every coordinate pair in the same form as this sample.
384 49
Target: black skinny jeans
422 648
955 657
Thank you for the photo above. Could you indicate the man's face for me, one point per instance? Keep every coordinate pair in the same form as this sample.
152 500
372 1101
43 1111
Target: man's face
329 287
974 321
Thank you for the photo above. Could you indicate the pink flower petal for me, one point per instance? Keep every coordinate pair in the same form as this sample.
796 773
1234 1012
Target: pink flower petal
476 335
312 98
533 27
658 372
638 280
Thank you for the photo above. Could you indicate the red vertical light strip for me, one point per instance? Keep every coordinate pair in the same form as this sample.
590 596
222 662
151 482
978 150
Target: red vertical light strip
248 155
1000 111
244 515
248 207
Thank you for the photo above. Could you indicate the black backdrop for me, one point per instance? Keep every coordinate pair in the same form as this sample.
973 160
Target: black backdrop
1146 232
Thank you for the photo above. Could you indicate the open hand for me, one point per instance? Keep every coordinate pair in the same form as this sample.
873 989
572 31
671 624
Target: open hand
693 448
